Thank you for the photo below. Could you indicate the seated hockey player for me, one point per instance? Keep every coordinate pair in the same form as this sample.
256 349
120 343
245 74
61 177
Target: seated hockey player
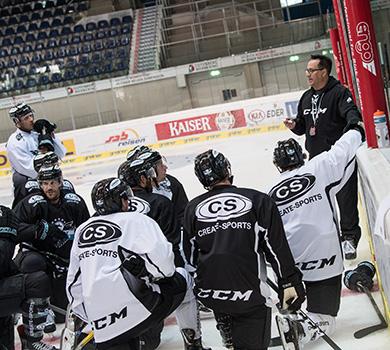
26 293
48 222
234 231
140 175
306 198
122 276
23 144
45 159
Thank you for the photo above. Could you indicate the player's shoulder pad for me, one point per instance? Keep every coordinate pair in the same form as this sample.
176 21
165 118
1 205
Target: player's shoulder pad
72 198
31 184
36 199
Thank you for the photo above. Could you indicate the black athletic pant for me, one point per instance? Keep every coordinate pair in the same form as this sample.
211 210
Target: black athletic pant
148 332
13 290
347 199
251 330
20 192
28 261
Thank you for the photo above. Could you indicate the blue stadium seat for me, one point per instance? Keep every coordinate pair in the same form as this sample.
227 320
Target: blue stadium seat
51 43
79 28
64 41
44 25
124 41
56 78
101 34
36 57
127 20
90 26
6 42
32 27
50 4
126 29
9 31
23 18
30 37
76 39
115 22
32 70
68 20
42 35
21 72
84 60
16 10
69 74
61 2
94 70
47 14
86 48
60 63
48 55
82 7
66 31
102 24
2 64
108 55
43 80
26 8
121 65
110 43
27 48
35 16
3 52
21 29
121 53
15 50
12 21
24 60
113 32
54 33
71 62
39 46
61 53
82 72
73 51
88 37
18 85
58 12
31 83
3 23
108 67
96 57
98 45
56 22
18 40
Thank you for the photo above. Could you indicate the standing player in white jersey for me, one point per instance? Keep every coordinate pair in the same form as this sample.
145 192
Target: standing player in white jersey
306 198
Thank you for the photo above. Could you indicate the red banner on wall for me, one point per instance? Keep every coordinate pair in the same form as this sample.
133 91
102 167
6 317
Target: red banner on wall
366 63
201 124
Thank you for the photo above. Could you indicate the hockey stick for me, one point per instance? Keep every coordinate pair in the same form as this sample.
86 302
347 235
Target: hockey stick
58 309
368 330
326 338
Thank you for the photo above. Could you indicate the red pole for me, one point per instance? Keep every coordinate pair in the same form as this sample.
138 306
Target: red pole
337 56
366 64
343 47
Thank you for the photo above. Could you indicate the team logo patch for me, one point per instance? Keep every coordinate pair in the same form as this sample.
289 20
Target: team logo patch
36 199
139 205
292 188
98 232
223 207
72 197
31 184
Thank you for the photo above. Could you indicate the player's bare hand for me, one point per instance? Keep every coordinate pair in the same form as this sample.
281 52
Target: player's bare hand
289 123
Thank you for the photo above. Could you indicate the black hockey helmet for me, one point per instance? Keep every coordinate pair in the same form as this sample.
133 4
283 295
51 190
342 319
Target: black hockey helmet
212 167
288 155
49 172
47 159
19 111
107 195
136 152
131 171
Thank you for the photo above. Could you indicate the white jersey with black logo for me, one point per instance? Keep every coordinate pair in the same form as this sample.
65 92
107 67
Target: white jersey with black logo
307 204
22 146
99 290
233 232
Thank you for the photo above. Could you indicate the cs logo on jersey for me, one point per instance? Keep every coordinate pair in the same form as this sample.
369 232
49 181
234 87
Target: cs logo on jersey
139 205
98 232
223 207
292 188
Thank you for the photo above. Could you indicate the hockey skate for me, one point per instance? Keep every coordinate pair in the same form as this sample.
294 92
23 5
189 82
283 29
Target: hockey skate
189 342
49 326
290 332
28 344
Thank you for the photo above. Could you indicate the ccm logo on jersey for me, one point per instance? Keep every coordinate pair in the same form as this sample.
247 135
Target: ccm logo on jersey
139 205
292 188
223 207
110 319
316 264
231 295
98 232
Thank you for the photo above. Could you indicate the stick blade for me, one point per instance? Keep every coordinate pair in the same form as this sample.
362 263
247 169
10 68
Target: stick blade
366 331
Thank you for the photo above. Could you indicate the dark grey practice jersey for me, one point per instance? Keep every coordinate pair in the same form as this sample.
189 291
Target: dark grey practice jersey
32 186
233 231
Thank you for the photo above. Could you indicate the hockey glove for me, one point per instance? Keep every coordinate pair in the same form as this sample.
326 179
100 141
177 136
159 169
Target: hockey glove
356 281
8 223
291 293
44 127
51 233
45 143
135 265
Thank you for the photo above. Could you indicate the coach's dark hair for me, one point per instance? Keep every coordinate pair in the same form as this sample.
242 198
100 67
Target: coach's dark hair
325 62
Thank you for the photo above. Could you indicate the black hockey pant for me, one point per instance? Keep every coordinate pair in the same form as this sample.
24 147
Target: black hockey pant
19 182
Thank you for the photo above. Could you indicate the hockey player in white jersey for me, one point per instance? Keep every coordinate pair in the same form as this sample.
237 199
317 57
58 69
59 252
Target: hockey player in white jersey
23 145
122 276
306 198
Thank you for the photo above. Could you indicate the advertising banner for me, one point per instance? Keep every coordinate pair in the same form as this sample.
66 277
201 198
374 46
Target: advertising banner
366 64
200 124
337 56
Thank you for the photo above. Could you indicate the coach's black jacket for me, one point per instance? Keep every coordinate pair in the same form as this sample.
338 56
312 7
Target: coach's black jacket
234 231
335 108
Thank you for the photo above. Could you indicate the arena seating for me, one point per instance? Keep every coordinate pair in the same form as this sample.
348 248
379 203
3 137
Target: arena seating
42 47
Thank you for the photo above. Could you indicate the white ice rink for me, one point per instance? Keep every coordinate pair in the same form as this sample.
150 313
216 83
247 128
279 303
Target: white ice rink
251 158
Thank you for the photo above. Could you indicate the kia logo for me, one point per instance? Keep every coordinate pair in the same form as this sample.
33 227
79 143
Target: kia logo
139 205
223 207
98 232
292 188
